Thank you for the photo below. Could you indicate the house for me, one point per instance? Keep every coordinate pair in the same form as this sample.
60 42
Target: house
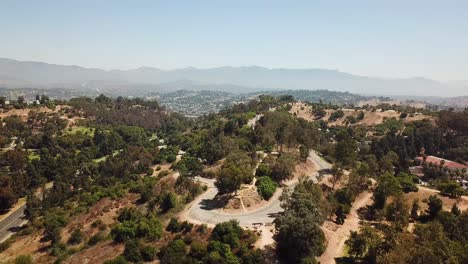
417 170
451 165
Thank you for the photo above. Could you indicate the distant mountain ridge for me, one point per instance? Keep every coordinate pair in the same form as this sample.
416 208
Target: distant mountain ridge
21 74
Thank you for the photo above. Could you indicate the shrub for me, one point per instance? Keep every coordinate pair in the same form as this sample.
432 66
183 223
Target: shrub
203 229
173 226
198 250
228 233
5 245
266 187
168 202
132 251
24 259
451 189
263 170
171 158
148 253
336 115
76 237
186 227
99 236
117 260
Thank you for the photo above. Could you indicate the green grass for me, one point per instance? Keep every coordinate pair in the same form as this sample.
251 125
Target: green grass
80 129
33 155
101 159
153 137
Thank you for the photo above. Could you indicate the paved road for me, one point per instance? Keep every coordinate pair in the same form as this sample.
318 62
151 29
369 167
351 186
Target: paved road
200 211
16 219
12 222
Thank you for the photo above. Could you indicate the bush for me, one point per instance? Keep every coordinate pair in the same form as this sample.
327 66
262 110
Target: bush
168 202
263 170
163 173
5 245
149 171
186 227
76 237
336 115
451 189
198 250
132 251
173 226
266 187
99 236
117 260
24 259
148 253
171 158
203 229
228 233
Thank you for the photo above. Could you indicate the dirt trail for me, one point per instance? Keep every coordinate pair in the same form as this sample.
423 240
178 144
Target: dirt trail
337 234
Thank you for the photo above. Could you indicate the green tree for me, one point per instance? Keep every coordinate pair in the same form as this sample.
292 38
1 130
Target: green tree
266 187
228 233
283 167
337 173
388 186
397 212
189 166
364 244
174 252
346 148
434 206
237 169
298 233
298 238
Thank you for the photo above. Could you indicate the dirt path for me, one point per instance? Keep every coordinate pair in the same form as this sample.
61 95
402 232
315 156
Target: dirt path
337 234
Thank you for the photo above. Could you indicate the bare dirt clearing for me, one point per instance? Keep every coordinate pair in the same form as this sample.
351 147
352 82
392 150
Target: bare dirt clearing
337 234
97 254
424 193
304 111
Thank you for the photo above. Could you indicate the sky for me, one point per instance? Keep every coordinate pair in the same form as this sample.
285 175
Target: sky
389 39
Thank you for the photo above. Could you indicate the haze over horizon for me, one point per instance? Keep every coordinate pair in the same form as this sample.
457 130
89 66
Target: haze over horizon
386 40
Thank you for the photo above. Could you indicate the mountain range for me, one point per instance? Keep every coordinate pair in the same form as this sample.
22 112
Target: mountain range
28 74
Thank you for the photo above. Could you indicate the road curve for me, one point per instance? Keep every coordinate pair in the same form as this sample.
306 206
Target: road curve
198 212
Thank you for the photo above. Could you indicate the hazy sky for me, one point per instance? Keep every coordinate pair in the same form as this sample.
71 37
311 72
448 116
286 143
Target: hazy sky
374 38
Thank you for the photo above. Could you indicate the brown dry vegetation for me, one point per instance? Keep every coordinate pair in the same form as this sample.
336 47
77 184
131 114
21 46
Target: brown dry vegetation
370 118
424 193
105 210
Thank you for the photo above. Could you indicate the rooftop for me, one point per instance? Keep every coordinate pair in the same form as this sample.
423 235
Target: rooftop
436 160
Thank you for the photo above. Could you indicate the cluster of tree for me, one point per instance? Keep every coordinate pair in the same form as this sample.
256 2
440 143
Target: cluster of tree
438 237
228 243
236 169
134 225
336 115
129 112
298 235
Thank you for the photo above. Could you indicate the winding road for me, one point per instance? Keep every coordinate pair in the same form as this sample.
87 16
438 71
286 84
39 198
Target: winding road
200 211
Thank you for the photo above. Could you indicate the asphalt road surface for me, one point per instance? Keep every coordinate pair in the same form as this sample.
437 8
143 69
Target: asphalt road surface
12 223
200 210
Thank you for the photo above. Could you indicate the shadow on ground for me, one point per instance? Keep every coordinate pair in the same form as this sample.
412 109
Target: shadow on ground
219 201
